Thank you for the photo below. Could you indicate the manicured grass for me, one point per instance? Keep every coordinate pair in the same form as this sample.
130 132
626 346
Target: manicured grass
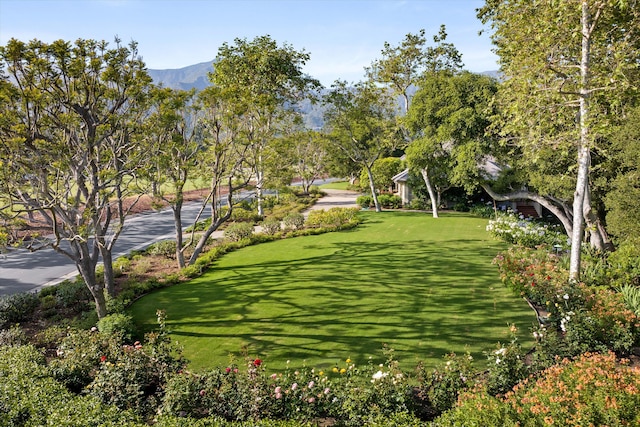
336 185
423 286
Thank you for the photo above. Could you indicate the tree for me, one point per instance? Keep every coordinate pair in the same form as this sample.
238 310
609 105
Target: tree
401 69
623 210
172 133
362 123
222 134
265 81
68 141
562 61
448 120
303 154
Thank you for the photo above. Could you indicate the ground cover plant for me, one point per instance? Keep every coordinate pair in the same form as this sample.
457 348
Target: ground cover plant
424 287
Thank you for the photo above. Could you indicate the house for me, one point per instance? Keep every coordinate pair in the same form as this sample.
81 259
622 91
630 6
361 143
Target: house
402 188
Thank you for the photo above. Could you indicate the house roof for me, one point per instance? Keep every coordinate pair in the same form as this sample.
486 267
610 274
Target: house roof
401 177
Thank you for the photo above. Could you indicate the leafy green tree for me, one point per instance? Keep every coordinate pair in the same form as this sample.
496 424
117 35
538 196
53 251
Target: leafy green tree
569 67
265 81
401 69
383 171
68 139
448 120
176 152
362 123
302 154
623 210
222 135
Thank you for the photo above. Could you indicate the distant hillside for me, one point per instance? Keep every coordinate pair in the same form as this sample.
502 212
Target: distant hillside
193 76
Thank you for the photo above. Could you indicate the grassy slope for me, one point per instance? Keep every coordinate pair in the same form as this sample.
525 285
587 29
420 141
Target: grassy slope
423 286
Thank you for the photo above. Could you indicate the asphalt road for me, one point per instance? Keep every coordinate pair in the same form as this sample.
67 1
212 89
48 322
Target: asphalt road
25 271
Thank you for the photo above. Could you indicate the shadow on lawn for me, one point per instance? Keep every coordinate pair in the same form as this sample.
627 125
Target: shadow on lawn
425 299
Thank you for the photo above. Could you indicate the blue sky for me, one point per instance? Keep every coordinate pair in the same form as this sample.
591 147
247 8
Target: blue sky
342 36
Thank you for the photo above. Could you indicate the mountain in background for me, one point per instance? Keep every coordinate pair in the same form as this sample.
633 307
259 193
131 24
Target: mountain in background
193 76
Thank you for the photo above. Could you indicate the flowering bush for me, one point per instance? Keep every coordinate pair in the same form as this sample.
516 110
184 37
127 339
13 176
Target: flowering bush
593 390
293 221
439 388
518 230
532 273
506 366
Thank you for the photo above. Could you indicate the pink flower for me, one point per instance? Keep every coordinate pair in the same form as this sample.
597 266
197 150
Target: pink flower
311 384
278 390
274 376
278 396
203 392
294 386
327 391
235 370
311 399
228 370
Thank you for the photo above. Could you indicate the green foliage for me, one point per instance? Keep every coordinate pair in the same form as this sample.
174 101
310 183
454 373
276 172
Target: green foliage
439 388
482 210
17 308
293 221
631 295
334 217
390 201
506 366
383 170
165 248
271 226
516 229
117 323
238 231
365 201
12 336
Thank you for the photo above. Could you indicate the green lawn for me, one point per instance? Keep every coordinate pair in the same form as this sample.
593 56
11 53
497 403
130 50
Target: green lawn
423 286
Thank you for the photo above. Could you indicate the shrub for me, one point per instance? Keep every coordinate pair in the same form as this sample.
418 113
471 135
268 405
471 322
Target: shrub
506 366
73 295
12 336
439 388
390 201
165 248
270 226
334 217
17 308
365 201
482 210
293 221
631 295
238 231
520 231
117 323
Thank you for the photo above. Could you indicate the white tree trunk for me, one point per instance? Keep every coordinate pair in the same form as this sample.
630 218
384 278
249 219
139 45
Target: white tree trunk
584 155
372 187
432 194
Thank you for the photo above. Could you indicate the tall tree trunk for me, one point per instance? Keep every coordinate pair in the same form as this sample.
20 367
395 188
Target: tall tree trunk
584 155
109 276
177 221
259 185
372 187
86 264
432 193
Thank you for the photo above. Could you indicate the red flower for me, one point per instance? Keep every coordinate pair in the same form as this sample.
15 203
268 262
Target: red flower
228 370
103 359
257 362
